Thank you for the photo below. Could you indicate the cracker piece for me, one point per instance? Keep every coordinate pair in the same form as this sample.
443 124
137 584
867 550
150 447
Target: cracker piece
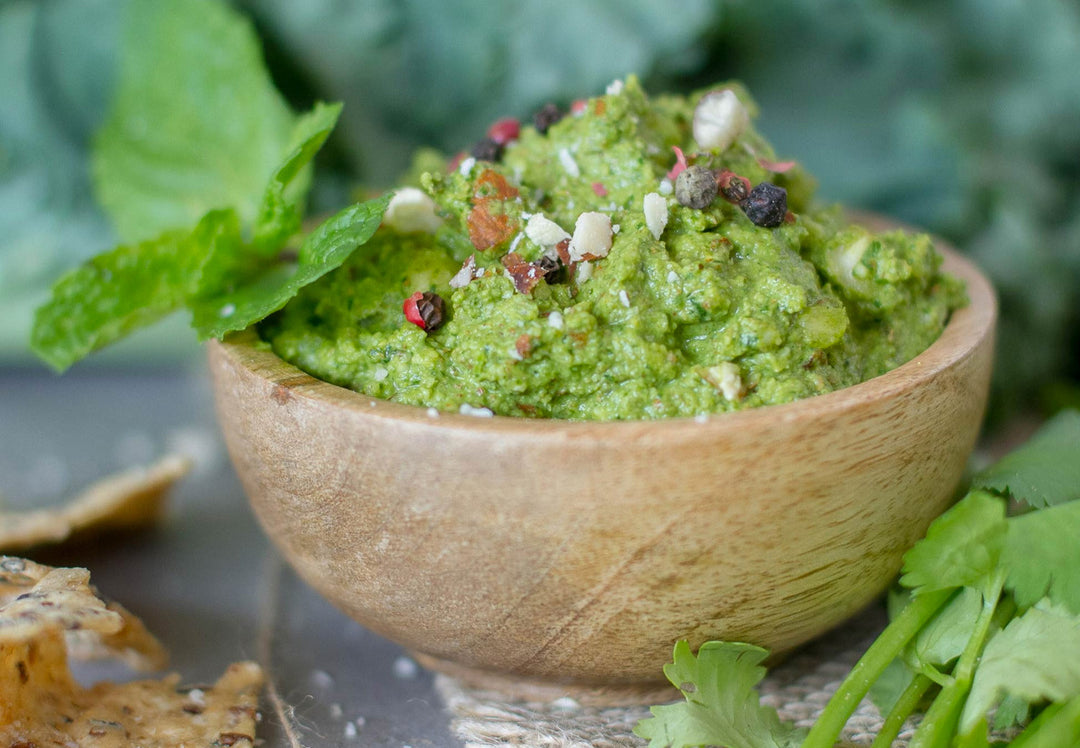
134 498
41 704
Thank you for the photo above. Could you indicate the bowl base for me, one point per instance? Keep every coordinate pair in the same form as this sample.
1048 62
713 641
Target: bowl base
498 686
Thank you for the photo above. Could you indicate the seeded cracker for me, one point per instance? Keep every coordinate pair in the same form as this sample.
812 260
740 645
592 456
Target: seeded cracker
41 704
130 499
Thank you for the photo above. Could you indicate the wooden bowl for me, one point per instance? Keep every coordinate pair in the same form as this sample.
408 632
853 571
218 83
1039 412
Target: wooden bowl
542 554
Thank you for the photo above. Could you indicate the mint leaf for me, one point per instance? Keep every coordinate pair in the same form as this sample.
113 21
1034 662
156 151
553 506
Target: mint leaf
1042 556
217 312
961 548
196 123
282 208
1036 657
129 287
721 707
1044 471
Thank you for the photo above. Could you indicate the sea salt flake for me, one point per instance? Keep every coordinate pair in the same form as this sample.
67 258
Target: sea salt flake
666 187
719 118
466 166
624 298
405 667
380 374
555 320
615 87
432 413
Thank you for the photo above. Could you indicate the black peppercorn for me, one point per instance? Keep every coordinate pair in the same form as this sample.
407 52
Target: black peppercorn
487 150
547 116
766 205
695 187
551 269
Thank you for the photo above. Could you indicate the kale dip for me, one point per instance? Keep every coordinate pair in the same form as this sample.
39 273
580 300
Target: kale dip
635 257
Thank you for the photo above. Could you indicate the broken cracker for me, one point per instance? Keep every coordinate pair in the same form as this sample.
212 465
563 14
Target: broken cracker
41 704
131 499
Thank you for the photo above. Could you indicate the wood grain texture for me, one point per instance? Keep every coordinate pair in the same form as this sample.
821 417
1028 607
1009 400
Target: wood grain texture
572 552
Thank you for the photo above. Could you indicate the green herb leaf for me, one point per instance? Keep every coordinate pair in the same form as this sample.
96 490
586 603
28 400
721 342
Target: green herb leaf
196 123
218 312
1042 556
721 707
961 548
129 287
1036 657
1043 472
944 637
282 205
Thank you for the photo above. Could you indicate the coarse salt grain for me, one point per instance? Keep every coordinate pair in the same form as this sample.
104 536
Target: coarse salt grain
466 166
410 211
380 374
432 413
615 87
544 232
350 731
228 310
666 187
592 236
584 271
672 277
624 298
555 319
568 163
701 418
656 214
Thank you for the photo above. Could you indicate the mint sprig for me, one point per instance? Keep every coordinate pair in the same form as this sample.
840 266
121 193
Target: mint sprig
991 620
205 171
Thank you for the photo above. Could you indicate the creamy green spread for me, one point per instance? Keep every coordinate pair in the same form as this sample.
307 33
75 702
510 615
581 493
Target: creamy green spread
653 309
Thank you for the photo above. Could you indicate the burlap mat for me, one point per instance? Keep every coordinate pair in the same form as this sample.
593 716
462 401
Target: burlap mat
798 689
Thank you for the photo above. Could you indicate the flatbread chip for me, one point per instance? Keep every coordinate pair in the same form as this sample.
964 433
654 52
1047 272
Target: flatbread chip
44 610
131 499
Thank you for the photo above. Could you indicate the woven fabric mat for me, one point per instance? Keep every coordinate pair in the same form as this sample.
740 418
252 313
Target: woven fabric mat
799 689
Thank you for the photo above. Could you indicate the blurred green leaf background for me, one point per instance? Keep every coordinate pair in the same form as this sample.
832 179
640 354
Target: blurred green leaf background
960 116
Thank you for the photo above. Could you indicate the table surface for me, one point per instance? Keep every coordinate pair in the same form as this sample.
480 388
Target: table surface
206 581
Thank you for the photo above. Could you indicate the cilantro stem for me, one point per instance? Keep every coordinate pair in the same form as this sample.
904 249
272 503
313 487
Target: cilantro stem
902 709
868 669
939 725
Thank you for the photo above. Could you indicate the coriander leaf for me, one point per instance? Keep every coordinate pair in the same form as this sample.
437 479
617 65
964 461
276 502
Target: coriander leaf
280 214
1044 471
1042 556
195 124
961 548
944 637
890 685
217 312
131 286
1011 711
721 707
1036 657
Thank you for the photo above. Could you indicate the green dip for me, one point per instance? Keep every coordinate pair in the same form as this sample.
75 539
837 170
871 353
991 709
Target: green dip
717 314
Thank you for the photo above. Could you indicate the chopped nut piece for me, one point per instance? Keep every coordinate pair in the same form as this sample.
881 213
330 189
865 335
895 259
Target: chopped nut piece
592 237
410 210
725 377
656 214
719 118
467 273
544 232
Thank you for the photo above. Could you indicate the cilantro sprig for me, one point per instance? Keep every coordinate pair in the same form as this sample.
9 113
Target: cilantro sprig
204 172
987 622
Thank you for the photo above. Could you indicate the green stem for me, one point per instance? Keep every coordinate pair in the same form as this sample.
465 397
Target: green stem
1056 726
883 651
902 709
939 725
